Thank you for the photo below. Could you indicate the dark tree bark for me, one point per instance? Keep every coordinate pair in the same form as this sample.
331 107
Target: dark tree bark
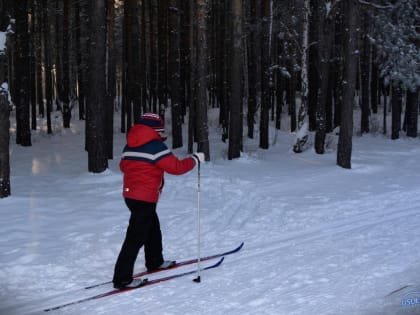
65 95
163 53
48 64
38 21
224 65
291 48
278 60
202 51
82 57
252 68
385 96
154 55
302 131
365 74
175 73
396 103
57 53
4 139
325 37
192 75
374 83
212 40
337 73
235 123
329 101
20 74
111 80
5 9
145 56
350 70
184 55
97 155
412 110
265 74
5 189
32 63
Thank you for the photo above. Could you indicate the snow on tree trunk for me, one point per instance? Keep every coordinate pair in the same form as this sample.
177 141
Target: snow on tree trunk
202 53
4 139
302 133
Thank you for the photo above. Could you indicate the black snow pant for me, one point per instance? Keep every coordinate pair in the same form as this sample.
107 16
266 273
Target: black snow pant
143 229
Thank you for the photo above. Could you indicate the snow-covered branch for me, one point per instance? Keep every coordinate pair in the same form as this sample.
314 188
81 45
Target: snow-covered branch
375 5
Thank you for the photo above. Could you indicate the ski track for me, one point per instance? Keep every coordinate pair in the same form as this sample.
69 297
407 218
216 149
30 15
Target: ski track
293 283
309 247
291 246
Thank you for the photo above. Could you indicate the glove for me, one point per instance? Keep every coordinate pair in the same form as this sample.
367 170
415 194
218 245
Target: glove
198 157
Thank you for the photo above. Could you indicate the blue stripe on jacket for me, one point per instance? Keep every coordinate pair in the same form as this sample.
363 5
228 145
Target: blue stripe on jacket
151 152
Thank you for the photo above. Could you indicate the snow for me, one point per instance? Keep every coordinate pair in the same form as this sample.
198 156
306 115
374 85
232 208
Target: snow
2 42
319 239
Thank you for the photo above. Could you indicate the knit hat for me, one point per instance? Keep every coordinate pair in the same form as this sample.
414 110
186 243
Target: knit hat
153 120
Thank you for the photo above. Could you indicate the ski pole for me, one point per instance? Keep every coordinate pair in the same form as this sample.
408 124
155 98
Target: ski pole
198 279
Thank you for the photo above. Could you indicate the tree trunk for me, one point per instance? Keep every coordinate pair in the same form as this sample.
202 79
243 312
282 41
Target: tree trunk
374 80
47 62
175 73
82 34
192 76
97 156
201 114
302 134
5 190
4 144
412 110
252 69
163 52
325 37
350 70
265 74
184 55
385 95
4 130
110 84
365 75
65 95
154 54
396 102
20 74
57 53
38 57
32 64
145 57
313 71
337 73
224 66
235 124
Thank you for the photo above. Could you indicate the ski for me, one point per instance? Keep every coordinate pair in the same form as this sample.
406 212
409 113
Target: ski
176 265
143 284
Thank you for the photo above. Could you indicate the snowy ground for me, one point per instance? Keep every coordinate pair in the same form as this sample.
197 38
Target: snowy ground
319 239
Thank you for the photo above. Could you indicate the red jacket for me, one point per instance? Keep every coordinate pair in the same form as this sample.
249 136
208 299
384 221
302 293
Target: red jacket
144 160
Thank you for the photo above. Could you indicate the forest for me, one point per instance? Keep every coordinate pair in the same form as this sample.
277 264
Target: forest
256 61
